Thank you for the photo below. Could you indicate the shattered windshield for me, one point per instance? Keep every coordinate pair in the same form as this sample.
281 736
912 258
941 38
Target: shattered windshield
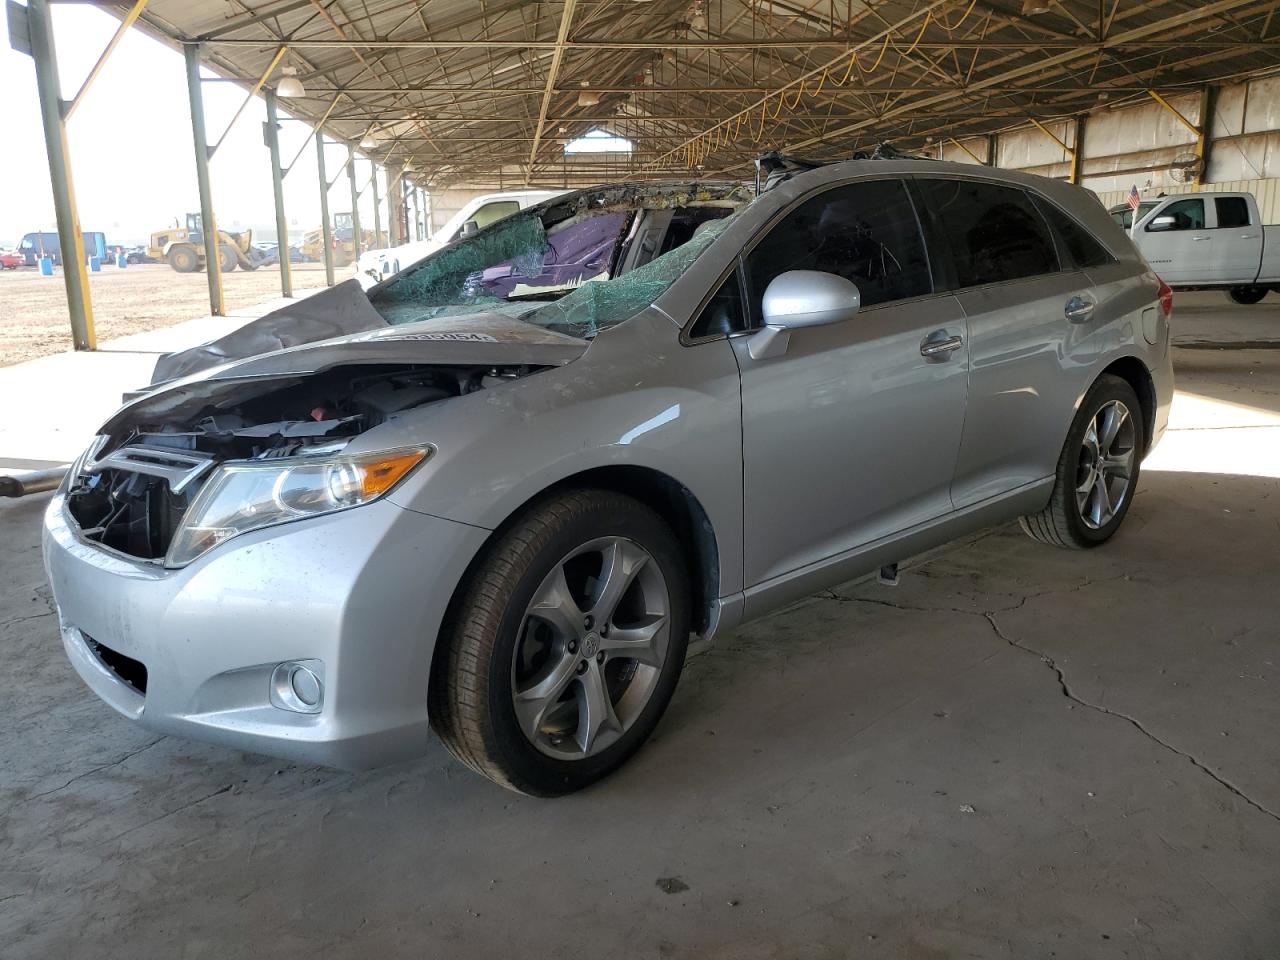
597 264
593 307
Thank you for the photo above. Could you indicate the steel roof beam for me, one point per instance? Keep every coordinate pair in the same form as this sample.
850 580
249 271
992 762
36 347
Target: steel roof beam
798 43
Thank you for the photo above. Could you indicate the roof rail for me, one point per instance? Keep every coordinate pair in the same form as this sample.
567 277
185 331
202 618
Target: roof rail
775 167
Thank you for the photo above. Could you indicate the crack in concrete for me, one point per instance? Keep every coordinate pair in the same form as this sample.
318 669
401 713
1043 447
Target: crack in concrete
35 616
1064 687
165 816
1137 724
89 773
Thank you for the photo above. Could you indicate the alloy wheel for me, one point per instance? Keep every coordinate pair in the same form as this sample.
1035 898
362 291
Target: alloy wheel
1105 467
591 648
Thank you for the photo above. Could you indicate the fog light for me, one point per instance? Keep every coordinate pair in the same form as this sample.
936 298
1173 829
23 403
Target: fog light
298 685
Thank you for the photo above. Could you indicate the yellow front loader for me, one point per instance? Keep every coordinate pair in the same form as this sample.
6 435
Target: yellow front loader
183 248
344 244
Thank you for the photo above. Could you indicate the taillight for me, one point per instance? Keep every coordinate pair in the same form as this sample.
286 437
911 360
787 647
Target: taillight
1166 298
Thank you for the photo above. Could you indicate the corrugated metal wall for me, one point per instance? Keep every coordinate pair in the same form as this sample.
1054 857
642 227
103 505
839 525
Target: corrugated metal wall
1136 144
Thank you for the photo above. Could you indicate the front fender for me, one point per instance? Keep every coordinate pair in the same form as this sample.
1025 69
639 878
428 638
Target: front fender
635 397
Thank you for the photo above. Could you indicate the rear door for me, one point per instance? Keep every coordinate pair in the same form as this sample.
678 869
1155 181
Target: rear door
852 434
1236 249
1015 290
1182 253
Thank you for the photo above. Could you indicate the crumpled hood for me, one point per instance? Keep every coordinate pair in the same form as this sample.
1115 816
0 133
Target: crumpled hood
341 327
205 373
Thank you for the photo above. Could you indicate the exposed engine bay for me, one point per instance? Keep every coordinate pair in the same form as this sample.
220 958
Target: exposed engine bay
130 491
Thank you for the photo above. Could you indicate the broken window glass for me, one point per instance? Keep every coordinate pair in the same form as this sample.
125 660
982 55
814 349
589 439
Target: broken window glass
443 280
597 306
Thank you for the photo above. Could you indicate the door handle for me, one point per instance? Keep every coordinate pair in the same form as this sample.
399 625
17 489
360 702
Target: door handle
1198 239
938 346
1079 308
1248 236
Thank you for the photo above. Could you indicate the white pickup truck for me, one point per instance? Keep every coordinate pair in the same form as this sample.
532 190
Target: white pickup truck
1207 241
376 265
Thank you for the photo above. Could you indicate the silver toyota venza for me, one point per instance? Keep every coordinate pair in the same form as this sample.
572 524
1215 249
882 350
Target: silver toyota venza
502 492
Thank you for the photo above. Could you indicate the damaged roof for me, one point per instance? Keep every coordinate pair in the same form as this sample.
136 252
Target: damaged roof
488 91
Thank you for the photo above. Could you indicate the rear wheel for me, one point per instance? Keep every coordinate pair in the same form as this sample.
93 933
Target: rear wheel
183 259
563 650
1247 295
1097 470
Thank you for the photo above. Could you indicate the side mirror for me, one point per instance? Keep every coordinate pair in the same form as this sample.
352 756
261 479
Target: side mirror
1162 223
469 229
809 298
801 298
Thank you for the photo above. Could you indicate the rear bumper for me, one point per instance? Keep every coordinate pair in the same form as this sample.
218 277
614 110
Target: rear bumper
1163 384
362 591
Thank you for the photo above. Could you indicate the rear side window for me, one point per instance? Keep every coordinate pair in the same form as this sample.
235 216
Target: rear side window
994 232
1078 243
865 232
1232 211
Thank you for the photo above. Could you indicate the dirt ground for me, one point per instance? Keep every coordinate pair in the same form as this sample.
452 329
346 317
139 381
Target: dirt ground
33 309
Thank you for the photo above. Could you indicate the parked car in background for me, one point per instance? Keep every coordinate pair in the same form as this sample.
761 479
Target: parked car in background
139 254
1199 241
269 253
497 494
11 260
479 212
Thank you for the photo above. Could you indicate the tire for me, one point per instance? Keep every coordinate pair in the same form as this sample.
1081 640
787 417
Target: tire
1066 522
183 259
227 258
498 645
1247 295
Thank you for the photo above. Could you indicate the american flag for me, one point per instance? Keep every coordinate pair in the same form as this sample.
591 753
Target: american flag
1134 197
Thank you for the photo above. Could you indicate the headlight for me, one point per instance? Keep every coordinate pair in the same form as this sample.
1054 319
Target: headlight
244 496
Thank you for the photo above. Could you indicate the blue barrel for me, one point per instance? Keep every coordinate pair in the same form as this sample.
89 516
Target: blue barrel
46 266
121 261
95 264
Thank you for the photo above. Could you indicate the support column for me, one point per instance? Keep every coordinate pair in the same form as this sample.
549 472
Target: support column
1204 143
394 175
355 202
70 237
377 214
993 149
277 188
326 227
1077 150
208 223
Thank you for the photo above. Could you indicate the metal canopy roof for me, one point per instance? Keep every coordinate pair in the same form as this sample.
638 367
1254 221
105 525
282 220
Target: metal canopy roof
471 90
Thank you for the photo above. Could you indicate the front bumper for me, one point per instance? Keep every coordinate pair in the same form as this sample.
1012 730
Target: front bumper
363 591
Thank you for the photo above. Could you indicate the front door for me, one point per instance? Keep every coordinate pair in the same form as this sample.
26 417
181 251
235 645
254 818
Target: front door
851 435
1182 253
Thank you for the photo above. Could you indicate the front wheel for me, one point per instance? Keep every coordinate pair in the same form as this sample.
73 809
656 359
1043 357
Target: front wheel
564 647
1097 470
1247 295
183 258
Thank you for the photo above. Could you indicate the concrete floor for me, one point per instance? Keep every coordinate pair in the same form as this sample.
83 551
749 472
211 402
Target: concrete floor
1019 752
